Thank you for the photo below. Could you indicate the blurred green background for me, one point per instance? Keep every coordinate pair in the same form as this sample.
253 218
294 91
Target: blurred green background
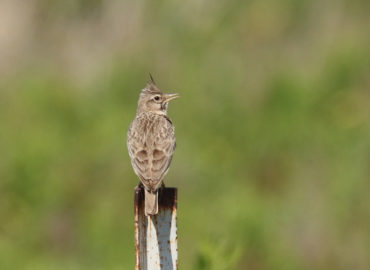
273 131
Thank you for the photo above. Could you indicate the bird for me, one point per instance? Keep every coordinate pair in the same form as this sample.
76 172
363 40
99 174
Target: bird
151 142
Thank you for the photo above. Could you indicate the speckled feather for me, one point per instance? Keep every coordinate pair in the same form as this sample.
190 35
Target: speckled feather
151 143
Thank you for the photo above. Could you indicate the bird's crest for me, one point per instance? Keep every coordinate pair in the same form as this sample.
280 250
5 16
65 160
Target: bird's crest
151 87
151 78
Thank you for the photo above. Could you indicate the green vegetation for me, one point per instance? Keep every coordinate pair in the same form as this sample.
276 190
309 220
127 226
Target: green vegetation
273 132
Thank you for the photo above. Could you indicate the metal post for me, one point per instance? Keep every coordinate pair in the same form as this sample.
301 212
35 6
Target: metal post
156 236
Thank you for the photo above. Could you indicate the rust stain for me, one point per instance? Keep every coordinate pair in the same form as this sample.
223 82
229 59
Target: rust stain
167 198
156 236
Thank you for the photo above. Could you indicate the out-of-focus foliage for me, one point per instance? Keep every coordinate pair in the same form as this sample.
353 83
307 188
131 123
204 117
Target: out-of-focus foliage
273 131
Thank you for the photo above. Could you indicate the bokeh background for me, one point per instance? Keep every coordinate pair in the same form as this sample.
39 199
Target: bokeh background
273 131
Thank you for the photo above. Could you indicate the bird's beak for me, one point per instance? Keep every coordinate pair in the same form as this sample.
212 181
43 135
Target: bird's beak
168 97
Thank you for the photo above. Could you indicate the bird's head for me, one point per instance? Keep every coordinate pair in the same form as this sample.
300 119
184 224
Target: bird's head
152 99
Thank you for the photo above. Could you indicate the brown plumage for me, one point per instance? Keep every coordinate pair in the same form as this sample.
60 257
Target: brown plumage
151 142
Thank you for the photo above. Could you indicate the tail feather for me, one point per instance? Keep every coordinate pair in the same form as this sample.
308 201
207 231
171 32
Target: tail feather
151 202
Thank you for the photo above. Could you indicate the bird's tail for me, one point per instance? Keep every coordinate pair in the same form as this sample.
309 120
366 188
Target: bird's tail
151 202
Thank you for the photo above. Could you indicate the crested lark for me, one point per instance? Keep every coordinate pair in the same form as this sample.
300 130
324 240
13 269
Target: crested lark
151 142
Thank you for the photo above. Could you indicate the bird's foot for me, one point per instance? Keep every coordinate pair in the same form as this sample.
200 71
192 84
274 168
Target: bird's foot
140 185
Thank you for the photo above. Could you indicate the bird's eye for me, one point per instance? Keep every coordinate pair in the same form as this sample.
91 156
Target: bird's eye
156 98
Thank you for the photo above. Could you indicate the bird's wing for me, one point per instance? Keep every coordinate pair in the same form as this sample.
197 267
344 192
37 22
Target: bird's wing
137 149
163 150
151 147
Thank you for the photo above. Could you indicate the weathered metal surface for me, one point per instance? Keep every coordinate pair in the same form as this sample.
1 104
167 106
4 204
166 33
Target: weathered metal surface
156 236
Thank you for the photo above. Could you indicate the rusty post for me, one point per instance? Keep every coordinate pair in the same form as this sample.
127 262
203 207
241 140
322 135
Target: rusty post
156 236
